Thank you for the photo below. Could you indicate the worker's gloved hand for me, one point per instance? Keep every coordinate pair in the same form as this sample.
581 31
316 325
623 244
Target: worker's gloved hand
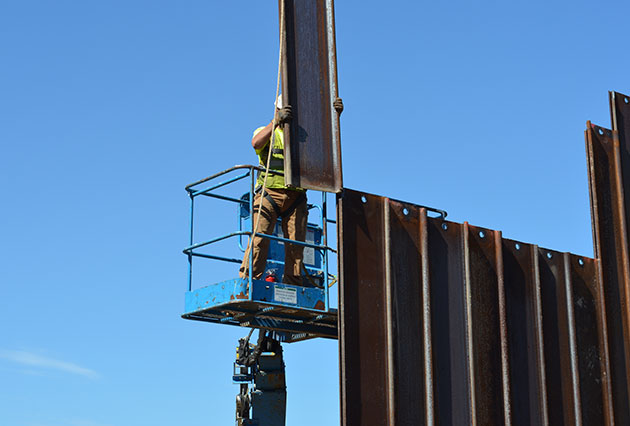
338 104
284 115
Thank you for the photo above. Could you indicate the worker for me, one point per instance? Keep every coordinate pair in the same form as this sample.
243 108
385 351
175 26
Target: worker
279 201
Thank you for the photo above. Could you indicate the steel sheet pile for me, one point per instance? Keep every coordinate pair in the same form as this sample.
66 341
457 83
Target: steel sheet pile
448 323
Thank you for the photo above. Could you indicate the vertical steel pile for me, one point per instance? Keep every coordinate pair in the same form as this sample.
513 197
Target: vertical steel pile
309 70
609 177
448 323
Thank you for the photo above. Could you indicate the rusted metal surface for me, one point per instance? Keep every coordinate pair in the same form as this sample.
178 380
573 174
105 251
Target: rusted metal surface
450 324
309 85
620 117
525 338
484 287
573 339
559 375
608 154
448 315
366 385
590 341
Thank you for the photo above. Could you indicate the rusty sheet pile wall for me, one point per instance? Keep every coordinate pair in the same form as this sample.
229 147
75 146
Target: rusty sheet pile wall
448 323
452 324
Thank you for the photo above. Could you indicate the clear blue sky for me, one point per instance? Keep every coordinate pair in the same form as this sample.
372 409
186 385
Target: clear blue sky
108 109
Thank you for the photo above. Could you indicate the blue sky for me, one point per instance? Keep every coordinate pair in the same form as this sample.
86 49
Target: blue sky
108 109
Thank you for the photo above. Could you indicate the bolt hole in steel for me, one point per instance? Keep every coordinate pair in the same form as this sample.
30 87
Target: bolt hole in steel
405 211
581 262
363 199
549 255
601 131
626 100
517 246
482 234
444 226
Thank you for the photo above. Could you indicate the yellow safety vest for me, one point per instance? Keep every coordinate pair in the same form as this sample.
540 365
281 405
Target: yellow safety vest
274 181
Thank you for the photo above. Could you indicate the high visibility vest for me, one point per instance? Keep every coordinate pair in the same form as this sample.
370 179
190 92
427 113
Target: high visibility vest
274 181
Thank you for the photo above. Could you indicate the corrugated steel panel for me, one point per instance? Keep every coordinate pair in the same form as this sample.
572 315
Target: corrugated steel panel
309 85
608 154
390 386
523 301
447 295
620 115
367 384
560 371
587 319
483 280
447 323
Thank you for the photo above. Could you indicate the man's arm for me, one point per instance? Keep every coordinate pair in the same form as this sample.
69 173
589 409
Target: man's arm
261 138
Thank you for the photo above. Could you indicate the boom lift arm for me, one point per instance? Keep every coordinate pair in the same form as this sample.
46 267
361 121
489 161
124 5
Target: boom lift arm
262 367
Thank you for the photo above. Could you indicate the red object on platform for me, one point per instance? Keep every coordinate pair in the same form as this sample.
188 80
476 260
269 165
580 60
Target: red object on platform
270 278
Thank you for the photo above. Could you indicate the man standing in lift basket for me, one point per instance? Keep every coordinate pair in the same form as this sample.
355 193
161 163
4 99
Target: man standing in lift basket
280 201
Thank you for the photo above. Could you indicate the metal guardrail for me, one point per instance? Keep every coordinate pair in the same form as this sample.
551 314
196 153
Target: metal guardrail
206 188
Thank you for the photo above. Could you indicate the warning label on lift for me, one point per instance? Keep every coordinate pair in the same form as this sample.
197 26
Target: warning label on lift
285 295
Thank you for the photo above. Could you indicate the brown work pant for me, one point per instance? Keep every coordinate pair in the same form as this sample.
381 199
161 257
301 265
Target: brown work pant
293 228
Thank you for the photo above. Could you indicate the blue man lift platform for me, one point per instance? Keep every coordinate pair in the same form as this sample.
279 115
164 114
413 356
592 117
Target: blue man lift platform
293 313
